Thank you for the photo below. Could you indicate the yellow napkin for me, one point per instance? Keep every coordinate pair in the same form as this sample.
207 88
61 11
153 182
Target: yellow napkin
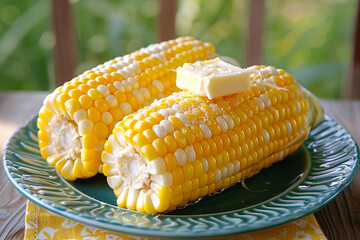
42 224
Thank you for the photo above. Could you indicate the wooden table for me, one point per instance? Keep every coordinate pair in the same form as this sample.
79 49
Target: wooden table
339 220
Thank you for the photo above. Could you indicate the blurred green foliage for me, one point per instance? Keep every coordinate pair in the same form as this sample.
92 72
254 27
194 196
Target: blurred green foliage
310 39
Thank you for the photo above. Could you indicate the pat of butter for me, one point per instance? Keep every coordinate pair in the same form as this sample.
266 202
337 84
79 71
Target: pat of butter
213 78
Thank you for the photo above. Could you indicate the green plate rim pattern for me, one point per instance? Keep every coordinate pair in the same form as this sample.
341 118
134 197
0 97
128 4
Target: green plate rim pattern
333 166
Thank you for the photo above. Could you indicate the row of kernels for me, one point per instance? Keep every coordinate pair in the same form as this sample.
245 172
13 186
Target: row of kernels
171 52
240 98
177 56
184 184
178 143
128 85
247 148
284 80
94 91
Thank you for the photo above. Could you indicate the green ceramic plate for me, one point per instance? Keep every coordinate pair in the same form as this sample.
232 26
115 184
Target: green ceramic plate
299 185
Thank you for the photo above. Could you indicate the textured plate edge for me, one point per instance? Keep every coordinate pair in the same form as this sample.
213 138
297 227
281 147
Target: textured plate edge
129 229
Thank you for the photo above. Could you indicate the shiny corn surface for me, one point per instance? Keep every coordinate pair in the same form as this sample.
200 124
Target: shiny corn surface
184 147
77 118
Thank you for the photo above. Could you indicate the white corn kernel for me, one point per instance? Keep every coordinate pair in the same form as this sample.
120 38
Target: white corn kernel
272 70
223 125
288 127
67 170
156 166
104 90
112 139
163 46
85 126
266 136
114 181
111 100
180 156
79 115
131 199
217 174
140 200
236 167
136 67
126 108
139 115
127 85
148 204
119 86
206 130
134 83
165 179
48 102
159 86
160 57
167 125
183 118
104 70
107 158
116 65
110 172
156 201
166 112
106 118
230 169
146 93
138 95
190 153
53 158
229 121
121 138
260 103
159 130
123 73
205 164
121 200
266 100
269 81
277 113
129 71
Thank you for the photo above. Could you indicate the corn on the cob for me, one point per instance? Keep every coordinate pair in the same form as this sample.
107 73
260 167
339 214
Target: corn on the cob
184 146
77 117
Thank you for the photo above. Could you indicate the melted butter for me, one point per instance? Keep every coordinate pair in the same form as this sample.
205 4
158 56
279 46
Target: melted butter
213 78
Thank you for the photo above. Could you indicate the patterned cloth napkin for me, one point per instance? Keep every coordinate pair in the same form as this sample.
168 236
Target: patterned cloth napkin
42 224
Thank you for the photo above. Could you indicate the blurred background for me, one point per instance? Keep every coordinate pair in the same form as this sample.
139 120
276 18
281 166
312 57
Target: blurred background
310 39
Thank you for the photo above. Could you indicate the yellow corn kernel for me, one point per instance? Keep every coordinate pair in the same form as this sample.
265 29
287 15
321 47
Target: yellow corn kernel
148 151
178 175
170 142
170 161
160 146
197 152
94 101
90 140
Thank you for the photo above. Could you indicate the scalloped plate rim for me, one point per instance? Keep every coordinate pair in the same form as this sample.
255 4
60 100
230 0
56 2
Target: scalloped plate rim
131 229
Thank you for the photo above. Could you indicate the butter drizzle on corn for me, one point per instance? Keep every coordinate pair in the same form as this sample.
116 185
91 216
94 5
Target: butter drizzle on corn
78 117
184 147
